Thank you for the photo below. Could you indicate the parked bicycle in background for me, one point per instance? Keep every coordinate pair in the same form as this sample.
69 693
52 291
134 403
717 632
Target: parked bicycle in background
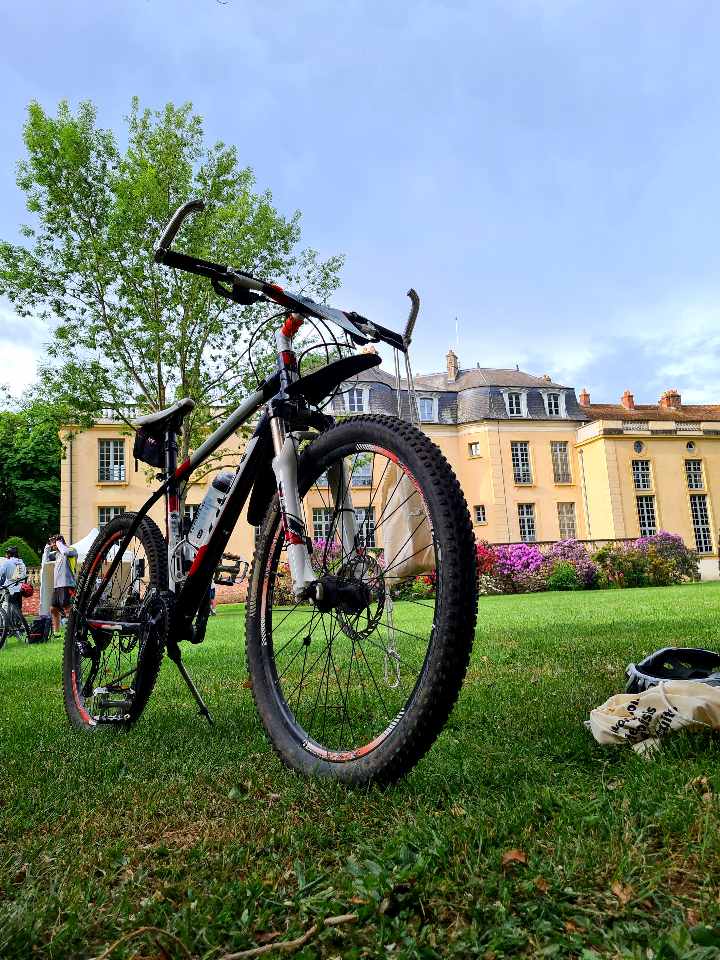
12 621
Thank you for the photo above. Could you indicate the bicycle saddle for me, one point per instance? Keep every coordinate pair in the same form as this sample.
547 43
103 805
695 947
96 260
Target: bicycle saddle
168 419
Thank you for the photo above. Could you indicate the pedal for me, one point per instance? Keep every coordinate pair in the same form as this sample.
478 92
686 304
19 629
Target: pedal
232 573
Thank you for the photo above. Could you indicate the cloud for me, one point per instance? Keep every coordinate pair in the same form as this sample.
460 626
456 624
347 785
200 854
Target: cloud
22 342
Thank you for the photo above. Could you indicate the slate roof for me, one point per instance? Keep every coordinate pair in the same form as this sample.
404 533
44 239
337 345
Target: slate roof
473 377
686 413
476 394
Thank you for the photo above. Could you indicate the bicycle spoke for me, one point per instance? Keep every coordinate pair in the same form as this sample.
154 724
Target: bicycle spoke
346 672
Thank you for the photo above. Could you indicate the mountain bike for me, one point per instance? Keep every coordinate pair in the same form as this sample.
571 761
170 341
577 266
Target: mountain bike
354 660
12 621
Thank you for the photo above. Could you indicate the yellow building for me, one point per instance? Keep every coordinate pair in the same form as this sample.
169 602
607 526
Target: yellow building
652 467
535 463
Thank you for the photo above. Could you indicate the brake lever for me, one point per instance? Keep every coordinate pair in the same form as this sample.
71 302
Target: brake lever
239 295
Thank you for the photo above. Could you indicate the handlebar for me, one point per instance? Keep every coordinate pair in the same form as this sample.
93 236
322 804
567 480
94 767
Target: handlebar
245 289
13 583
414 310
176 221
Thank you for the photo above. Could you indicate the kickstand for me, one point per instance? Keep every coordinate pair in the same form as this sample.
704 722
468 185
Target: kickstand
173 651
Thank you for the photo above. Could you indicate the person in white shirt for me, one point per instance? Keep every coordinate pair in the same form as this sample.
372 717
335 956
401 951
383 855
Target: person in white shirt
64 578
13 571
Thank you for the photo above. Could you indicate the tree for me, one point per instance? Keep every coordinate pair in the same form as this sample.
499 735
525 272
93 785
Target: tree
30 452
124 331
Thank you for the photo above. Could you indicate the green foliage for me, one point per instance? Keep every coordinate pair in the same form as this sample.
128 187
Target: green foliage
563 576
201 832
26 552
621 567
30 452
658 561
124 330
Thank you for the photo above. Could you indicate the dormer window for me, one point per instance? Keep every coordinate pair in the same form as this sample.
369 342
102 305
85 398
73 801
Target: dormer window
553 404
355 400
514 404
427 410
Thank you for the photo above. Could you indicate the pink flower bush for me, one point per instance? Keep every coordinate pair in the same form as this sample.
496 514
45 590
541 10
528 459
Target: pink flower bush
574 553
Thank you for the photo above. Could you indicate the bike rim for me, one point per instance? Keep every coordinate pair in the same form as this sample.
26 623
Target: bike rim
109 640
344 680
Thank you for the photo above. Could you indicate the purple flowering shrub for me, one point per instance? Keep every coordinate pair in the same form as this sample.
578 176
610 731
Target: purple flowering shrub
518 568
572 552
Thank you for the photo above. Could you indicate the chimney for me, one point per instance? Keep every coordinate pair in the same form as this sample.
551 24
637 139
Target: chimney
670 400
628 400
452 366
584 398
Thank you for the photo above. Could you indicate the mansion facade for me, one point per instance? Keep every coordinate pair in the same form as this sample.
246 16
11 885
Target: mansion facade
536 462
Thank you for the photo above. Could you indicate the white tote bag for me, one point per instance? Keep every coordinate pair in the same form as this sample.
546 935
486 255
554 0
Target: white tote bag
641 720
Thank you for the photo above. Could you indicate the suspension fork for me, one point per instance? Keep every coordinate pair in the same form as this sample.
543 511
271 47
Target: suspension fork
284 466
284 463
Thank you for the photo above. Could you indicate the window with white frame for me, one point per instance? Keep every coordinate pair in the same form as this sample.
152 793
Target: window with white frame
526 518
566 521
514 404
552 403
642 474
111 461
355 400
560 461
362 472
190 511
480 513
325 525
426 409
520 455
106 514
474 449
701 522
646 516
694 474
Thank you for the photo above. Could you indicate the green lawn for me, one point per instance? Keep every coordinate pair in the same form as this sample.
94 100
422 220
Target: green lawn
201 832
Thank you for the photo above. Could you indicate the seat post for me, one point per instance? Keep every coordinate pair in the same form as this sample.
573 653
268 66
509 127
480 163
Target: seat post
171 450
172 497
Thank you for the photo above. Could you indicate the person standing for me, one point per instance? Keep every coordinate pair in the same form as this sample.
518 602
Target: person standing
13 571
64 580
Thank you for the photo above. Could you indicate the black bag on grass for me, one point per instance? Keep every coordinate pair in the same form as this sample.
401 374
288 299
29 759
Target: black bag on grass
40 629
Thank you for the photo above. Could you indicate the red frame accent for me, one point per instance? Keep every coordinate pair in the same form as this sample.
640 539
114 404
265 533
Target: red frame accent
182 469
197 560
292 325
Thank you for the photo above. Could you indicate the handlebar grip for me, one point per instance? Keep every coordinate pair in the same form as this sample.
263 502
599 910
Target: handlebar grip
414 309
168 234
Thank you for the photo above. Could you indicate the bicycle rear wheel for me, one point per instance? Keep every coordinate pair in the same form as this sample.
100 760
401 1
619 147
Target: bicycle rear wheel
359 687
114 644
13 624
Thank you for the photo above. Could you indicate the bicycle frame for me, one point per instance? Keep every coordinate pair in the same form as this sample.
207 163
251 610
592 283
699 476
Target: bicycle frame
283 394
273 441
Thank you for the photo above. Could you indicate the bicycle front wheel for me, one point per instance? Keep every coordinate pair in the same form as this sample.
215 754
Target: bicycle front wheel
359 686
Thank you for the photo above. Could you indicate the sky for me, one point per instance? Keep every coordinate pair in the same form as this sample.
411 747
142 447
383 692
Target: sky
545 171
